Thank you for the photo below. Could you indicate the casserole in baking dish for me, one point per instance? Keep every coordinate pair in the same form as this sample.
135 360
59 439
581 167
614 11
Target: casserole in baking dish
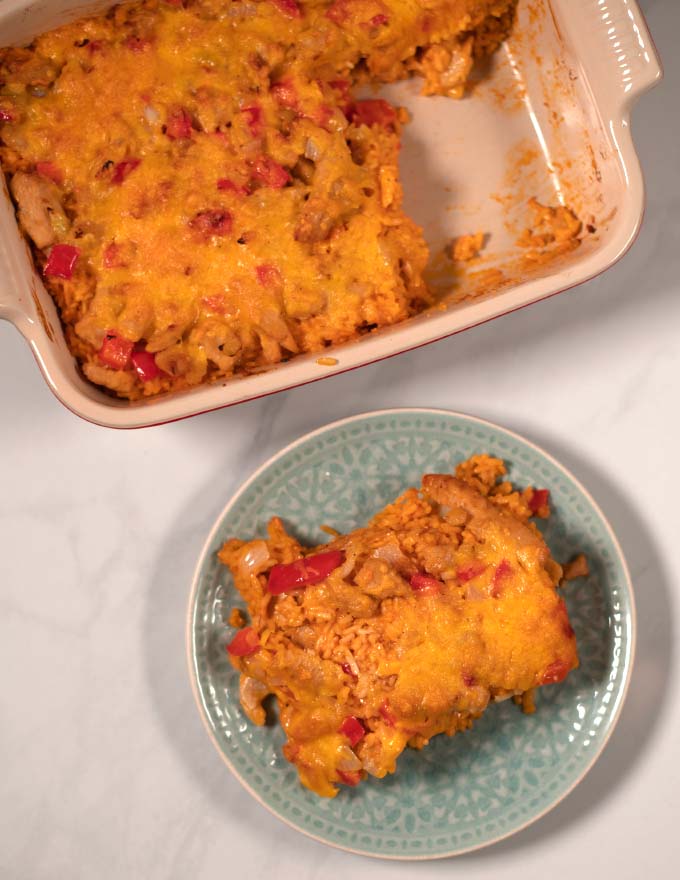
230 203
549 120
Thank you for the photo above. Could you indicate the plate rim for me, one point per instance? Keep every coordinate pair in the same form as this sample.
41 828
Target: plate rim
628 660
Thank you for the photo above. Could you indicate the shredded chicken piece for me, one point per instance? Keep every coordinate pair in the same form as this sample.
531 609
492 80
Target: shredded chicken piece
40 210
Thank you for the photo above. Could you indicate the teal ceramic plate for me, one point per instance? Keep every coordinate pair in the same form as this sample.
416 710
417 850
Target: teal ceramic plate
459 793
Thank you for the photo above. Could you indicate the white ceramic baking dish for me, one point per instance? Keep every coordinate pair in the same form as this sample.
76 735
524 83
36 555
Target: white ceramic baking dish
551 119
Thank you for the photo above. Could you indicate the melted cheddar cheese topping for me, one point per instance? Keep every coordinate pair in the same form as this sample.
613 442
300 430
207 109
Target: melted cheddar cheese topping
401 630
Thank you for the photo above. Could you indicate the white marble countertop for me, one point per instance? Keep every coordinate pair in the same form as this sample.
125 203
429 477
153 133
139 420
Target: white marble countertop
107 771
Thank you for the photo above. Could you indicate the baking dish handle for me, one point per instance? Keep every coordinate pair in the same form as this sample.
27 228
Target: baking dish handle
14 305
615 33
18 280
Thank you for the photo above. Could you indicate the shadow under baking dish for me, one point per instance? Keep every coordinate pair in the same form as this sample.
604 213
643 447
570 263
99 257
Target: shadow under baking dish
460 793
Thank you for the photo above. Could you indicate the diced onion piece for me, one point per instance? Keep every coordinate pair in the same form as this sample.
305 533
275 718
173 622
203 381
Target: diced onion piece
254 559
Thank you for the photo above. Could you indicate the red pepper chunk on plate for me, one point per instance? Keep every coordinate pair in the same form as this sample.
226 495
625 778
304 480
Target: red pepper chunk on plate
353 729
540 498
245 642
556 672
425 585
350 778
287 577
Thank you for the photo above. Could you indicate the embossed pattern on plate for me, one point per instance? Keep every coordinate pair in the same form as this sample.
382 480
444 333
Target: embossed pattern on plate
459 793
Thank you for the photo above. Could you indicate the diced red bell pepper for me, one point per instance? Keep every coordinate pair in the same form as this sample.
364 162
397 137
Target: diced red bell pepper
321 115
338 11
214 302
62 260
137 44
556 671
373 111
503 570
539 499
227 185
286 577
254 118
285 94
111 257
340 85
123 169
468 679
424 584
270 173
563 616
95 46
178 126
379 20
472 570
6 115
50 171
215 222
386 714
267 275
289 8
353 729
245 642
145 365
347 669
115 351
349 778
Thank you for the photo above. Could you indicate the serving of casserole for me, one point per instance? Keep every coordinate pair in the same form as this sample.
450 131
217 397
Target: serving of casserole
401 630
215 206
